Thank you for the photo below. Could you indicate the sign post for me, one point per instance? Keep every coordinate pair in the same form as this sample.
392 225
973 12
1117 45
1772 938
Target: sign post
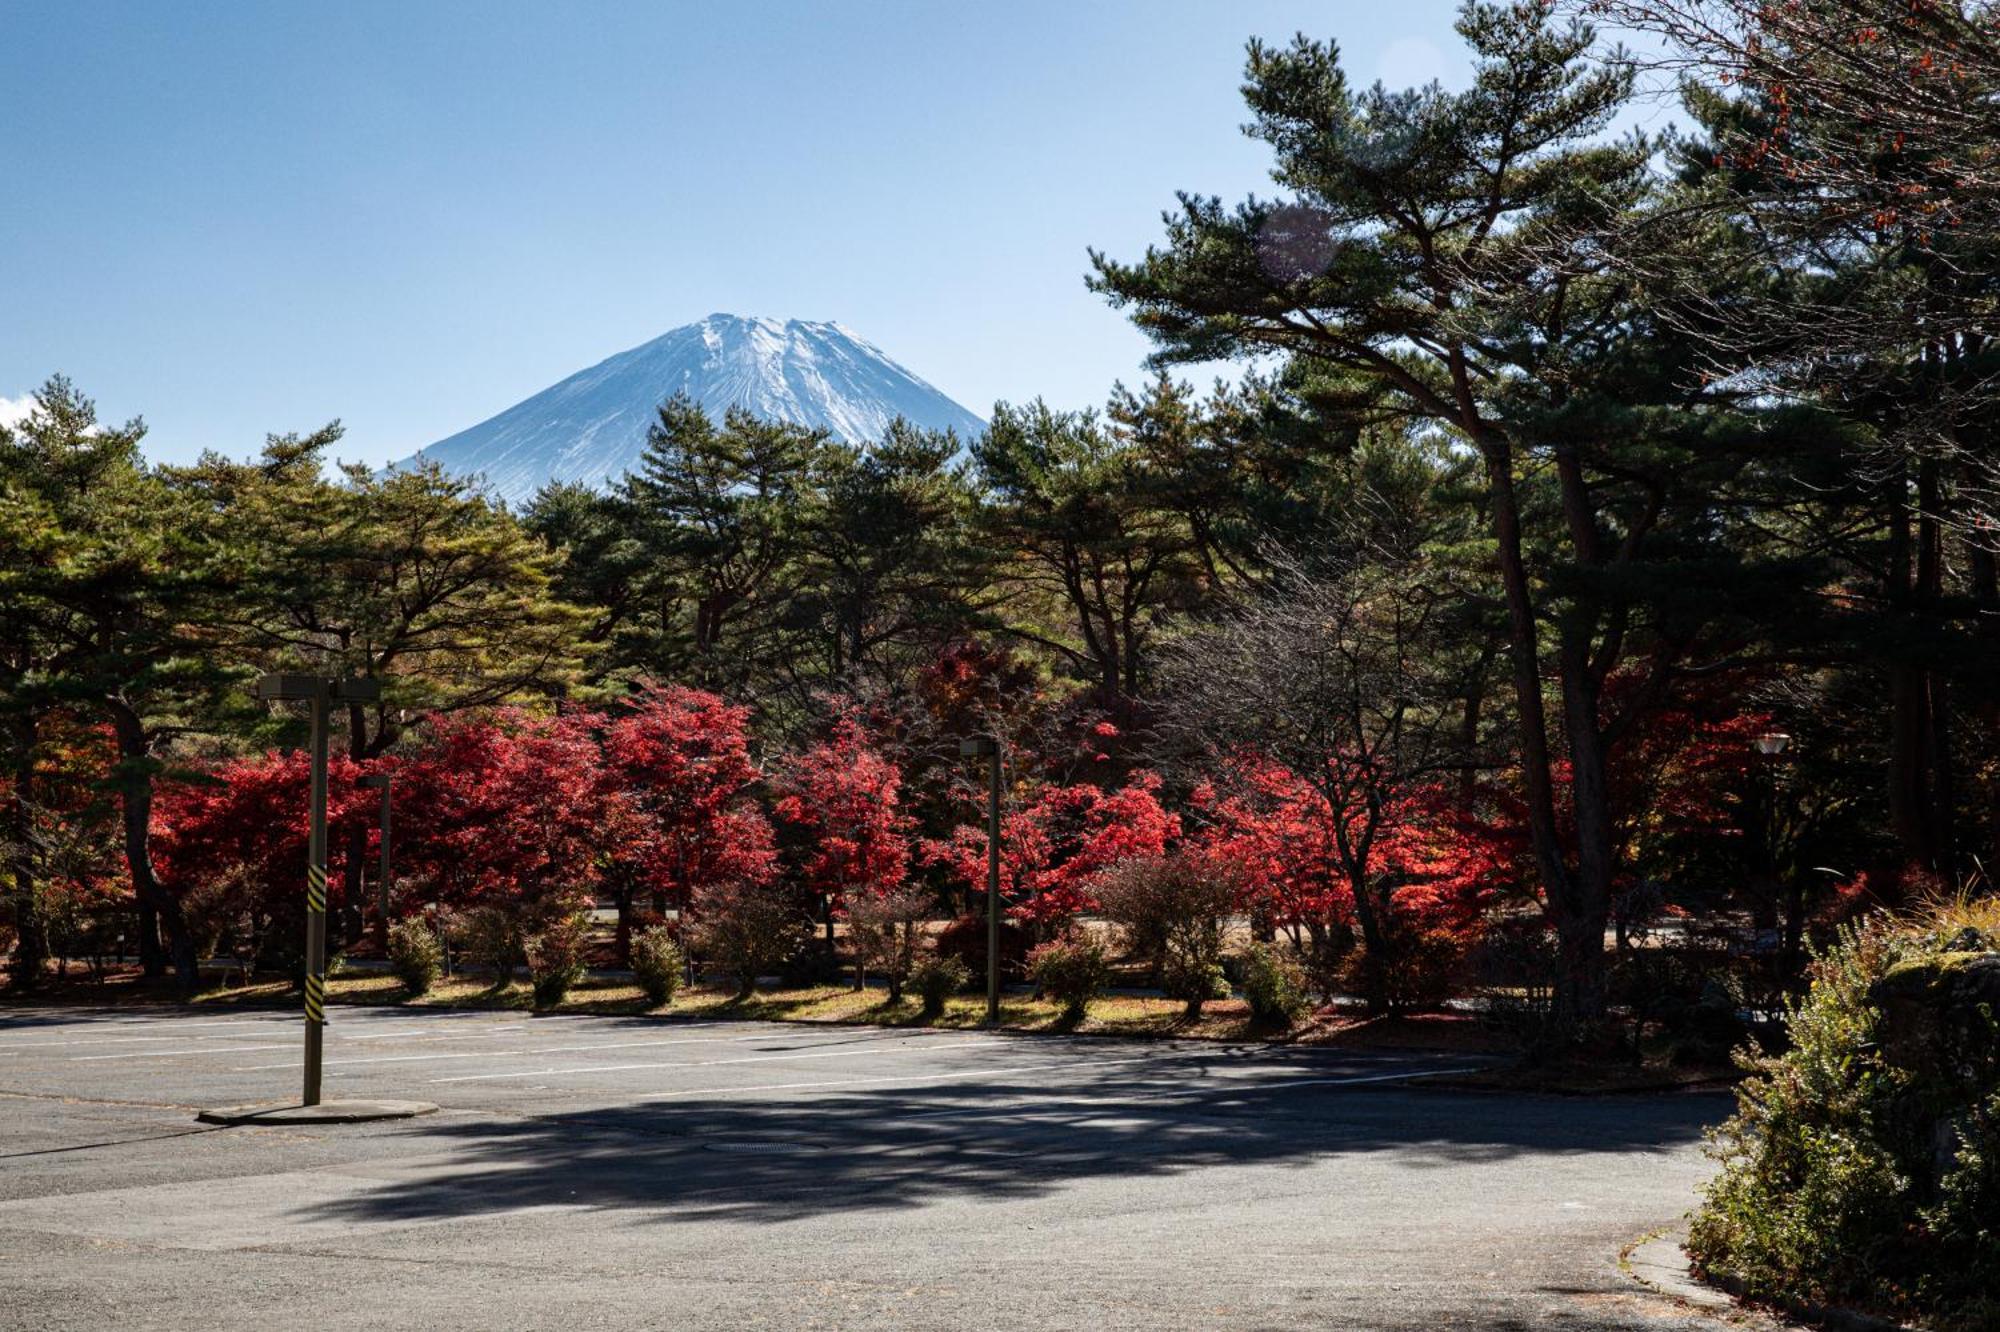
987 747
321 694
379 781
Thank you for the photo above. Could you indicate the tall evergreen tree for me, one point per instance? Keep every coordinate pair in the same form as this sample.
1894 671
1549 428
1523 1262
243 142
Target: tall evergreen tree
1093 546
1445 245
116 594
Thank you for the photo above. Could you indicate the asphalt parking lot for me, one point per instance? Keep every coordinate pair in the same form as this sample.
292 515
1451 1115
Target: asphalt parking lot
637 1173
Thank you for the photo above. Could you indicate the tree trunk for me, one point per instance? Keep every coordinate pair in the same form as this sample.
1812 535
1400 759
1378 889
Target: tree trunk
135 799
622 939
1587 911
1579 911
1374 947
352 918
152 958
31 938
1986 594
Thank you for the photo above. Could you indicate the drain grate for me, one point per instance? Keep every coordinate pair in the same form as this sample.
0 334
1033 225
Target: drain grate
765 1147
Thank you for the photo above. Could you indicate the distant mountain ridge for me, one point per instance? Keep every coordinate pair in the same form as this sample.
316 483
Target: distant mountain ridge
591 427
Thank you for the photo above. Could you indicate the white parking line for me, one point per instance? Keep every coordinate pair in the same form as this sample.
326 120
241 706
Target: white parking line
334 1065
175 1023
920 1077
124 1040
958 1111
175 1054
435 1034
700 1063
174 1035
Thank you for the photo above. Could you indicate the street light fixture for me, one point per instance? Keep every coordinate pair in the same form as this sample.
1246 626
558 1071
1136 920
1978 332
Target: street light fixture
1771 746
321 693
379 781
988 747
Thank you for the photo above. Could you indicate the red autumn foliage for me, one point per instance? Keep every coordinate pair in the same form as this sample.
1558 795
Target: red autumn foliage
842 800
679 761
1053 846
1433 870
505 808
72 838
239 836
1278 829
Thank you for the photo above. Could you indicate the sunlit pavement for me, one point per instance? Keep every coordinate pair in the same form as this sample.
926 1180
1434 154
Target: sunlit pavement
614 1172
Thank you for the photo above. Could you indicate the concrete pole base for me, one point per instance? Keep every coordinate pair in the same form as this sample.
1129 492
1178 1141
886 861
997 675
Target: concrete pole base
326 1112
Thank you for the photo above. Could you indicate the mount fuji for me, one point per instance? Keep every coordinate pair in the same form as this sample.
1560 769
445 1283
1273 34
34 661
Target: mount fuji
591 427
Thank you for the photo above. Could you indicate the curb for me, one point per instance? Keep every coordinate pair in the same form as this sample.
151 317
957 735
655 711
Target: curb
326 1112
1659 1263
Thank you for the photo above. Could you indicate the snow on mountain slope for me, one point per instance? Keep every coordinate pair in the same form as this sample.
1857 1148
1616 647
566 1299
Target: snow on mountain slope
591 427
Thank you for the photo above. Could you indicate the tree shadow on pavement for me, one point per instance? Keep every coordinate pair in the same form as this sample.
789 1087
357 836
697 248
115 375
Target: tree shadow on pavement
768 1156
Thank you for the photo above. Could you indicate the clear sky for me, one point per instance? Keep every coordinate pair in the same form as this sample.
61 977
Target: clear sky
241 218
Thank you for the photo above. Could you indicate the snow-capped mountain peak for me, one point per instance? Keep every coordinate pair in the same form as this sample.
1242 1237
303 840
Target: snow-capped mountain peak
591 427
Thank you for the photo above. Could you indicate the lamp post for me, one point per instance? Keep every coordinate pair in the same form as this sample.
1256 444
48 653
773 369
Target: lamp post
379 781
988 748
321 694
1771 746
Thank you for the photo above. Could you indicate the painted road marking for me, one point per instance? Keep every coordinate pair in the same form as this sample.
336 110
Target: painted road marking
701 1063
549 1049
175 1054
919 1077
1033 1106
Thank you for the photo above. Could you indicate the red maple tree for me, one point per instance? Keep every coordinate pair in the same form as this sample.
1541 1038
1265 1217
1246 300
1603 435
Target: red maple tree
842 798
1055 844
678 762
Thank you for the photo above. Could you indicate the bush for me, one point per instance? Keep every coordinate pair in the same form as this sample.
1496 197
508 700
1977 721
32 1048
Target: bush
1326 953
1422 963
965 939
747 929
1275 986
937 978
415 955
1862 1166
1072 970
489 937
1172 907
885 934
659 964
556 957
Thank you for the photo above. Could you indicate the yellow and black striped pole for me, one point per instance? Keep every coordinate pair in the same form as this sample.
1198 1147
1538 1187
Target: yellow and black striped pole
321 693
316 900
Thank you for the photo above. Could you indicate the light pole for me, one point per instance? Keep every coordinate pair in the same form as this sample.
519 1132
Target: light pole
988 748
1771 746
321 693
379 781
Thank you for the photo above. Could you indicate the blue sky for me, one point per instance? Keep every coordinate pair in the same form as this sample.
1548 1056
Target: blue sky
237 218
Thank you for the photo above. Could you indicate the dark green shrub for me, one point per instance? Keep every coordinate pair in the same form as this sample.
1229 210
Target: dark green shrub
885 931
748 929
490 939
415 955
1275 986
1325 954
1863 1165
557 956
1072 970
1421 964
965 939
659 964
936 978
1172 908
